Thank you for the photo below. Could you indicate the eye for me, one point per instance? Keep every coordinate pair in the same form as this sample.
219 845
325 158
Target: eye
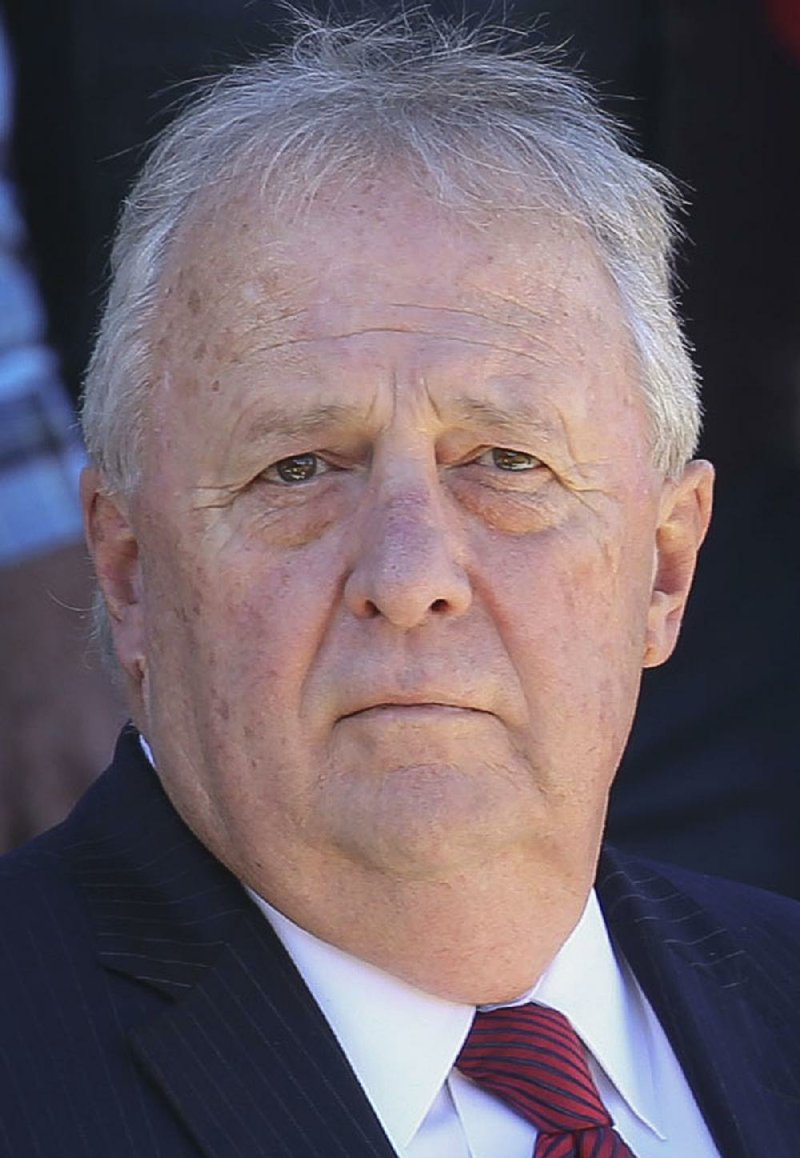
297 468
504 458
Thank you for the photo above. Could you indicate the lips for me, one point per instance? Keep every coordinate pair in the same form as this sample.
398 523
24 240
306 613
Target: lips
411 707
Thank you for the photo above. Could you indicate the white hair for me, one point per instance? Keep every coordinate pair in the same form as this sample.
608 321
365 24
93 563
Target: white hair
479 129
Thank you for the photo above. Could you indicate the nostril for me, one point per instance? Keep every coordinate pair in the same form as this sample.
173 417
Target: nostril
440 605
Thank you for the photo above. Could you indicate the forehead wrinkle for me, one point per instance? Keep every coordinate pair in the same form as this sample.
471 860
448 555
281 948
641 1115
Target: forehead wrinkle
528 312
504 323
471 314
338 335
257 322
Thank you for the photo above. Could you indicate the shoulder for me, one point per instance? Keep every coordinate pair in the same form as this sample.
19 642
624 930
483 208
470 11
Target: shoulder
43 906
44 921
638 889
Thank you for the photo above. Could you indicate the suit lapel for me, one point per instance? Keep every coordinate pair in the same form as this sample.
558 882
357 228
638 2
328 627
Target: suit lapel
721 1016
237 1045
248 1060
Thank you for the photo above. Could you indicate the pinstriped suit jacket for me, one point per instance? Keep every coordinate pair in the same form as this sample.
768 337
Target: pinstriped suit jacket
148 1011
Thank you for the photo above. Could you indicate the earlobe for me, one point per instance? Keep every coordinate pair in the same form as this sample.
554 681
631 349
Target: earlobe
115 553
683 521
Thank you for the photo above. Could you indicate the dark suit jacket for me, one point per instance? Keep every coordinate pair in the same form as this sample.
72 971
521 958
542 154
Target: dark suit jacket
149 1010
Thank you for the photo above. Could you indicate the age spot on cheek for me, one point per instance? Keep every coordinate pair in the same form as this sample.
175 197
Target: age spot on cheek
222 709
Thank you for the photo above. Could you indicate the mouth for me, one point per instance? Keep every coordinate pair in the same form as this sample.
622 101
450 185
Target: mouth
409 710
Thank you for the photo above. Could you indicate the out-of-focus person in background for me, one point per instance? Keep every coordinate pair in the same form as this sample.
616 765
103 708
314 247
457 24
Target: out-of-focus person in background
58 711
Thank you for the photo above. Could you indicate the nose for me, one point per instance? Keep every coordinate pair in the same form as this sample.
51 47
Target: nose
407 567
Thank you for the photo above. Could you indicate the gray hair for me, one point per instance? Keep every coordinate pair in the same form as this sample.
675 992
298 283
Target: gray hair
480 129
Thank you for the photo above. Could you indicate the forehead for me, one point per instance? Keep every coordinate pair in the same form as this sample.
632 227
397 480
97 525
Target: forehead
382 281
349 242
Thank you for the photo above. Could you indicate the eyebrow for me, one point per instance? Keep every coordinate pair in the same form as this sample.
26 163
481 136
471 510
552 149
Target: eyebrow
332 416
297 423
507 418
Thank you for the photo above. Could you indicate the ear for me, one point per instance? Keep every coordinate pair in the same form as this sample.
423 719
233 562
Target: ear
685 510
115 553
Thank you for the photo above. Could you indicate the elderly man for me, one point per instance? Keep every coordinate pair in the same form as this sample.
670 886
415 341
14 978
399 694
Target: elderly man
391 502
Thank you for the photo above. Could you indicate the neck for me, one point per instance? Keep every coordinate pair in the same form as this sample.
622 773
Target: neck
476 941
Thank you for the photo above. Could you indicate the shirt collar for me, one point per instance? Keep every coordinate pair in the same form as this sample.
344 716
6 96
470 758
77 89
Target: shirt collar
425 1032
585 982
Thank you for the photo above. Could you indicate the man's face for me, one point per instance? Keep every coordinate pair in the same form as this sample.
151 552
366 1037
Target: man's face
400 546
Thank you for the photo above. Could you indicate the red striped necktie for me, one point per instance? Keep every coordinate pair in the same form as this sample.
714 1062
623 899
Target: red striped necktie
531 1057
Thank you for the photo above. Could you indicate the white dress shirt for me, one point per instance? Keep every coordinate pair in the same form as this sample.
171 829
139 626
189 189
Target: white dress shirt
402 1044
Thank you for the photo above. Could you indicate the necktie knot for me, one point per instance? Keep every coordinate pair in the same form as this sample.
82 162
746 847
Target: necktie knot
531 1057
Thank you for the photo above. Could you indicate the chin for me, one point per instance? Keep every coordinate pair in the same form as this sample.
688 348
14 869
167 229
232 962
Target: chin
434 822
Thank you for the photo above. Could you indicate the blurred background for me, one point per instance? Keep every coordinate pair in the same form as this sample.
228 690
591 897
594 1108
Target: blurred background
710 89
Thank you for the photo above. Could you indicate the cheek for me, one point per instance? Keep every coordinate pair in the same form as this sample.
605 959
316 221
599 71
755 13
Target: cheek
522 512
241 627
572 610
277 518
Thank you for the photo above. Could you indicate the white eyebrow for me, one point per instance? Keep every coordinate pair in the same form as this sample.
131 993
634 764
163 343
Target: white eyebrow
278 419
511 418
